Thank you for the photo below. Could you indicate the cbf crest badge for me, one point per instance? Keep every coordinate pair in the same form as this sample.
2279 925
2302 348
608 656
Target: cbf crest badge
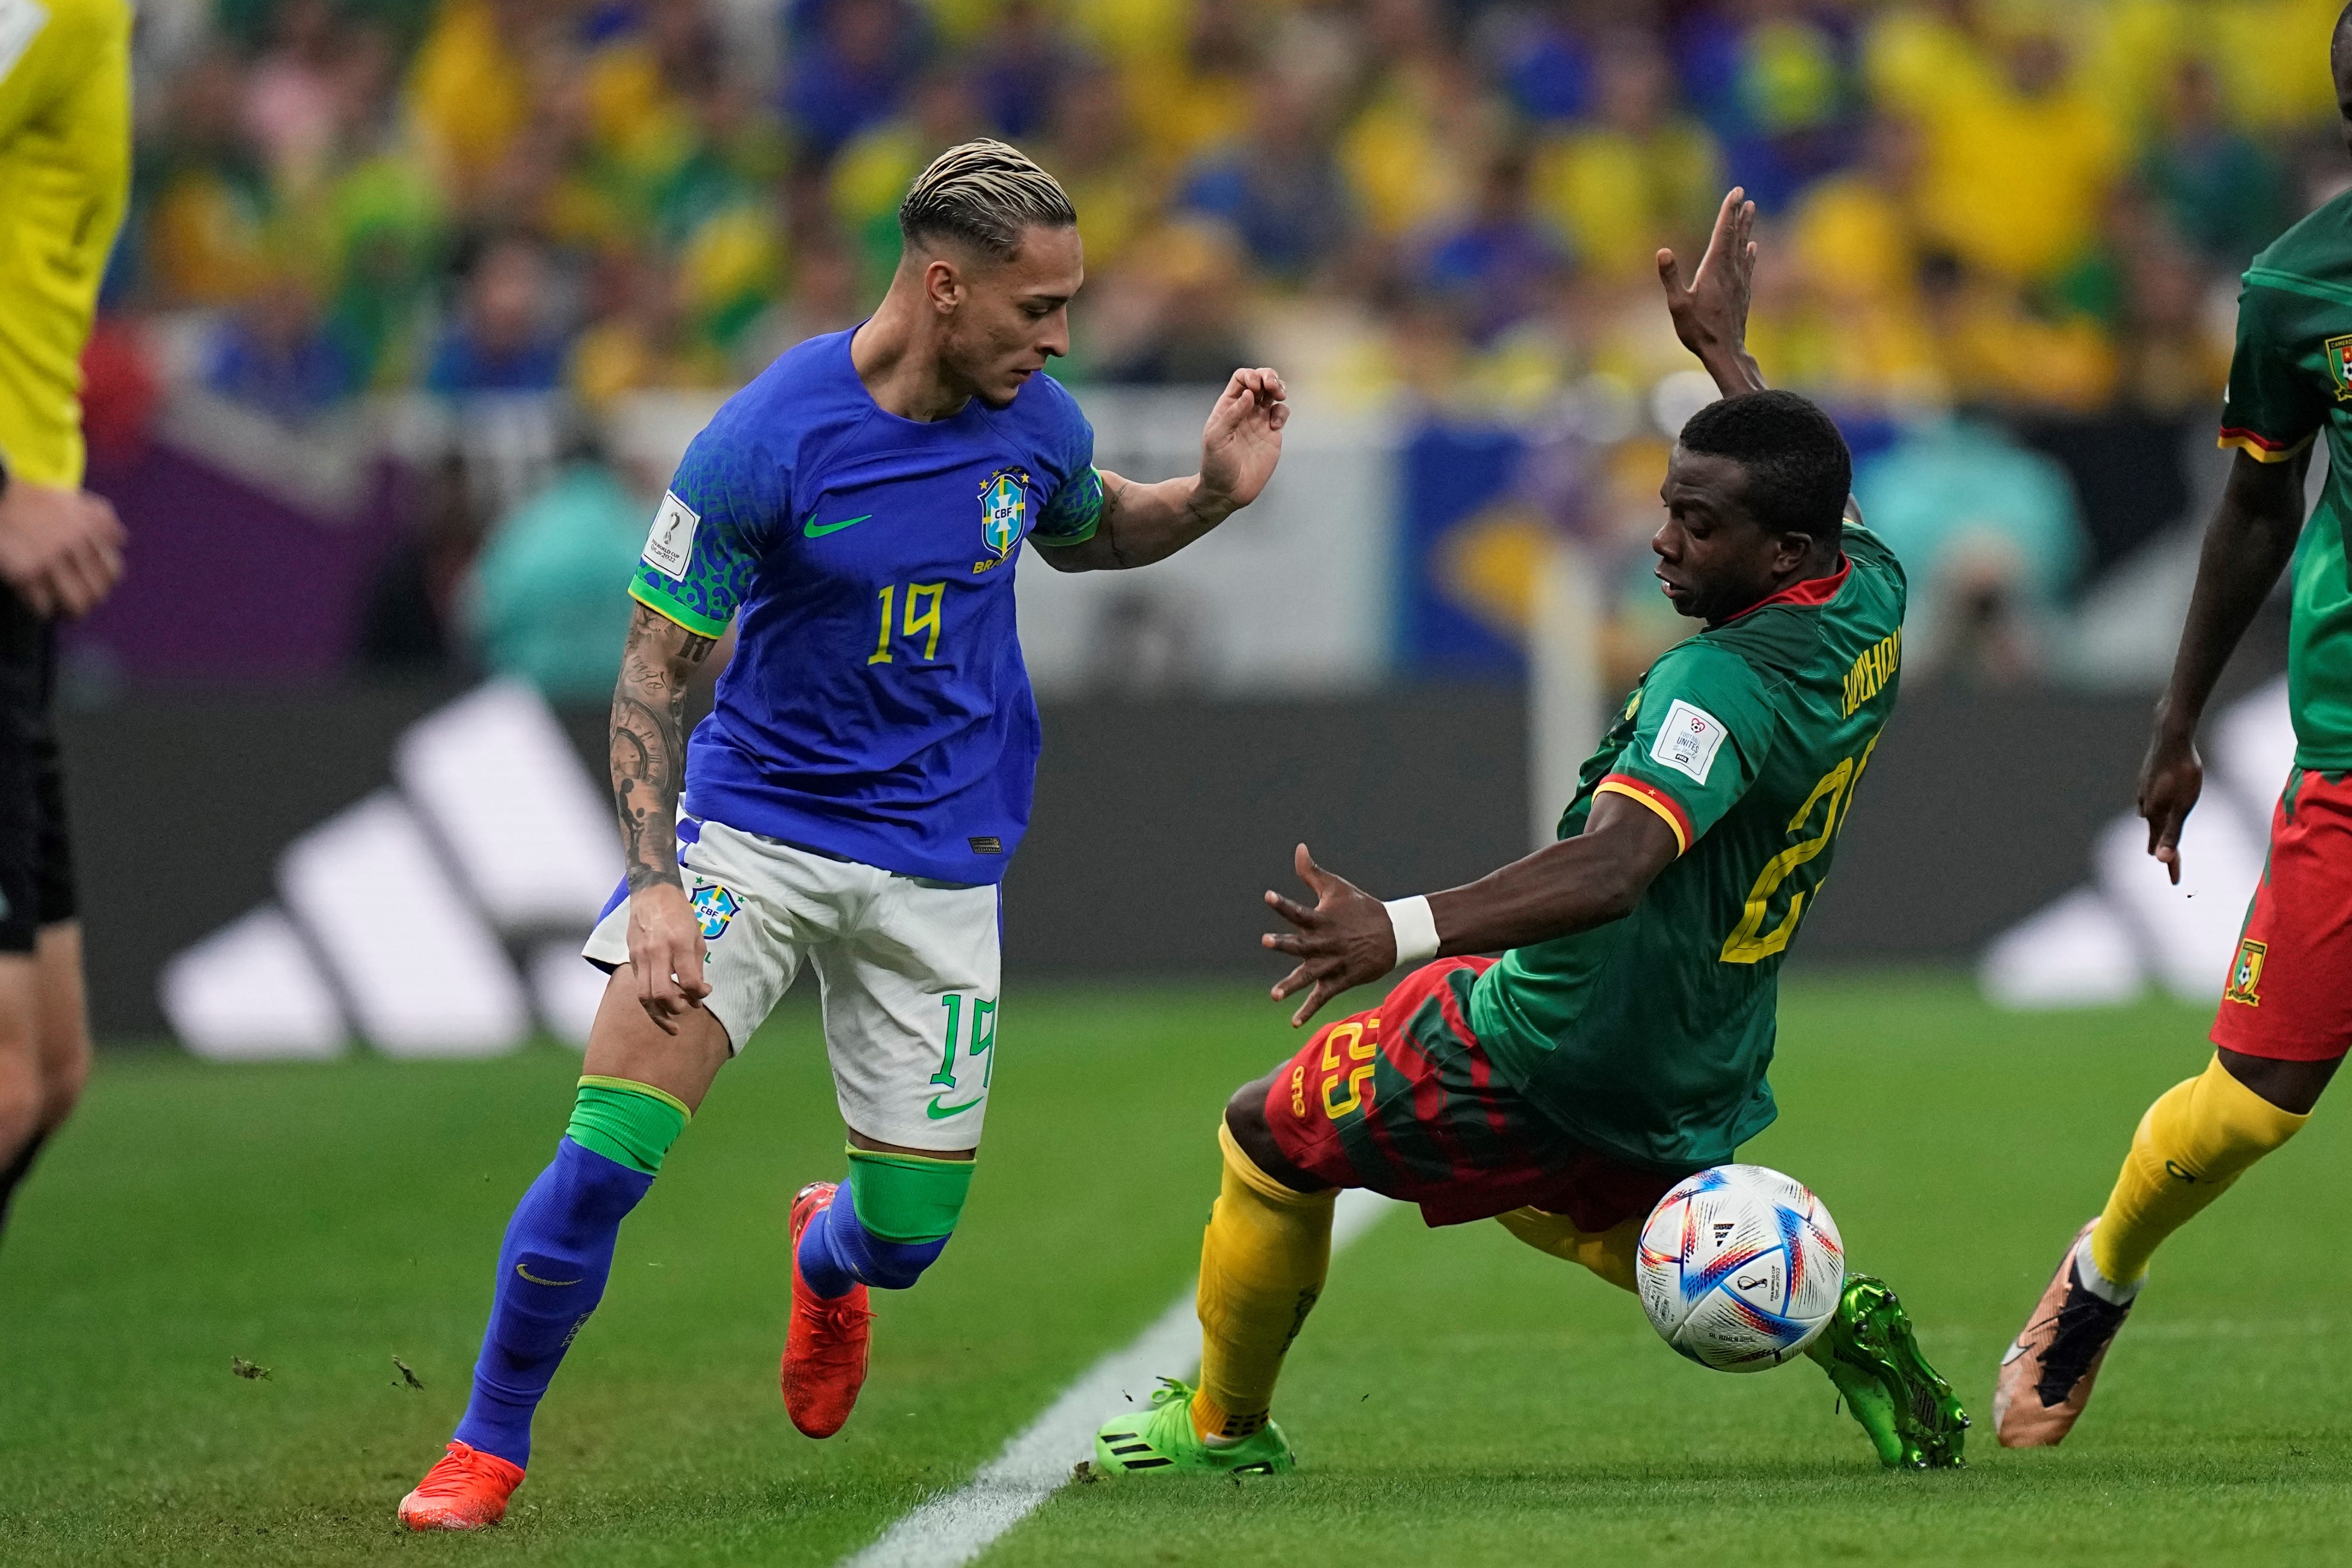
2338 350
2246 974
1004 512
714 906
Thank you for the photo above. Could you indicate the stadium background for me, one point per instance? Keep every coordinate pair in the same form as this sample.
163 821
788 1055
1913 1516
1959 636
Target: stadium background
417 303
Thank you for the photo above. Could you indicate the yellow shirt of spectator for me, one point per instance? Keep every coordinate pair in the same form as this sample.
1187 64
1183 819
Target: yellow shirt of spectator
468 88
1403 167
2012 183
64 179
1618 195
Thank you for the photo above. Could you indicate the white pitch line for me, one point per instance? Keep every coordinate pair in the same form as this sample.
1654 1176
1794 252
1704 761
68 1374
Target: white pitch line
953 1528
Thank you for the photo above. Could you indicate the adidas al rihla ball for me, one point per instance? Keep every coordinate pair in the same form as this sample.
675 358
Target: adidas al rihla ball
1741 1267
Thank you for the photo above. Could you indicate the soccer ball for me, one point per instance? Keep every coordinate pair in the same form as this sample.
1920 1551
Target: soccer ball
1741 1267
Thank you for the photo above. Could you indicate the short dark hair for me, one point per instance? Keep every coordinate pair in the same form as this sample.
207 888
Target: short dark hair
1799 471
983 193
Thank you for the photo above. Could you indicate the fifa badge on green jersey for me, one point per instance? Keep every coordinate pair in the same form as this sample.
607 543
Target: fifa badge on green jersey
714 906
2338 350
1004 507
2246 974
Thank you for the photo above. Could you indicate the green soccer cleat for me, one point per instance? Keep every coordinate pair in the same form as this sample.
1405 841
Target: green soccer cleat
1870 1352
1163 1442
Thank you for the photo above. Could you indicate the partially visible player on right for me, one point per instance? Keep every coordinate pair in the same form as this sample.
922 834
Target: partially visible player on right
2286 1019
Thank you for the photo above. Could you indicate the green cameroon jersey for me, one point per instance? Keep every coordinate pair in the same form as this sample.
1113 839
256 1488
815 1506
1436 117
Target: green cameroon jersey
2289 378
1647 1038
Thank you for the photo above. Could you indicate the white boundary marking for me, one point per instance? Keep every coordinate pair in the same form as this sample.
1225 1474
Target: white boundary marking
953 1528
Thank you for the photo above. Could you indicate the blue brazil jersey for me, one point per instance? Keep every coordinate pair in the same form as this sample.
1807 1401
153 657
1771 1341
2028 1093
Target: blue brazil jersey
876 708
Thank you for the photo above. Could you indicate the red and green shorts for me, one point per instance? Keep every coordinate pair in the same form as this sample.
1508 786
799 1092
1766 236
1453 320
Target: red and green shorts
2289 993
1402 1099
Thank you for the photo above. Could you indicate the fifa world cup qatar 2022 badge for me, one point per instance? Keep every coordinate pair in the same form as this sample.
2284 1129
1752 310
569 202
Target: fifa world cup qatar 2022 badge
714 906
1003 512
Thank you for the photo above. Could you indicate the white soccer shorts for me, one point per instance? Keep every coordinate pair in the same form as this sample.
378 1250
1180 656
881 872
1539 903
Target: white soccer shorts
907 971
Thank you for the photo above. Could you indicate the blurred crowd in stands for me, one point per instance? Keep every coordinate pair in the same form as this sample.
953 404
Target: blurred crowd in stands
1981 216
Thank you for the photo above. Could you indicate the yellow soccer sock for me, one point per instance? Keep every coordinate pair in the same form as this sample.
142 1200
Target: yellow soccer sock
1608 1253
2197 1139
1263 1260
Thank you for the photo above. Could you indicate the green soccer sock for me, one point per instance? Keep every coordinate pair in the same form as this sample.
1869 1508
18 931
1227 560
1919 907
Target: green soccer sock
908 1197
629 1123
901 1211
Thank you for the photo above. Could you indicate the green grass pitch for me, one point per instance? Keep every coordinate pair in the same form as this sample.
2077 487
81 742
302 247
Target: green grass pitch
1458 1399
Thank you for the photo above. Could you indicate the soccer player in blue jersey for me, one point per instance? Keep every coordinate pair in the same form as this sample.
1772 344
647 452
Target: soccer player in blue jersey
858 512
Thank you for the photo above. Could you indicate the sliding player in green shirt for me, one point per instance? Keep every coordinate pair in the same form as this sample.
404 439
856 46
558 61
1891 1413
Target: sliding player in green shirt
1621 1044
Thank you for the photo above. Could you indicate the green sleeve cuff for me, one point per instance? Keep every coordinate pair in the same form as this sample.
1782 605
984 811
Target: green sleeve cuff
669 608
1075 513
1058 541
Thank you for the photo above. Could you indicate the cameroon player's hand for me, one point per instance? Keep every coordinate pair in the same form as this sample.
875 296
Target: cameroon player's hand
1345 941
666 954
2170 780
1710 313
60 549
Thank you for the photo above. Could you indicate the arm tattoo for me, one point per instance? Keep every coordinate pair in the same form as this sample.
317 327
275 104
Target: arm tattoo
1107 529
648 743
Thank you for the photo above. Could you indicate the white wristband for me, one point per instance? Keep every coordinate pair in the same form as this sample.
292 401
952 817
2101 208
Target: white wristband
1415 928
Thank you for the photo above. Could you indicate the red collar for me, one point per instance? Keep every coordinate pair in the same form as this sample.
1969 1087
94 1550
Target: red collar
1807 595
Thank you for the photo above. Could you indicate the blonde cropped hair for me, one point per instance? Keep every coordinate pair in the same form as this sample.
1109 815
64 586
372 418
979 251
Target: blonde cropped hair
984 194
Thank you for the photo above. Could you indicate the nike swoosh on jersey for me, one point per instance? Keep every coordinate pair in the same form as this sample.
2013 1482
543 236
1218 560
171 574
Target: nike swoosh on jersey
931 1108
809 530
524 1271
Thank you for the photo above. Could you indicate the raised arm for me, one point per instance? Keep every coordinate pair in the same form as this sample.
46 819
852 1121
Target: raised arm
2247 545
1143 523
1350 937
648 762
1711 314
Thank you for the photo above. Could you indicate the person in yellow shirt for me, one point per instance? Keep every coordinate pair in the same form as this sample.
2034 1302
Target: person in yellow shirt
1853 237
1640 176
65 176
1095 150
1187 99
649 342
2018 161
470 86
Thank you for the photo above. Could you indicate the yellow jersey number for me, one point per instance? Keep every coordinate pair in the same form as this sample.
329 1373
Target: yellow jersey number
915 625
1750 941
1361 1041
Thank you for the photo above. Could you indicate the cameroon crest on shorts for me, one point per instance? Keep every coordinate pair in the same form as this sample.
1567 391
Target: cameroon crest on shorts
1004 508
2246 974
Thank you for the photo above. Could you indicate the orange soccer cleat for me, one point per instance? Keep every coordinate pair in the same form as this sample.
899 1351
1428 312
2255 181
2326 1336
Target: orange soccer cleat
2047 1377
464 1489
826 1343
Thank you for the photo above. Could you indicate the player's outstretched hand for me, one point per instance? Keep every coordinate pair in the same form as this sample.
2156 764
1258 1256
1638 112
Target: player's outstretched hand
666 954
1346 940
1242 439
1711 312
60 549
2170 780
